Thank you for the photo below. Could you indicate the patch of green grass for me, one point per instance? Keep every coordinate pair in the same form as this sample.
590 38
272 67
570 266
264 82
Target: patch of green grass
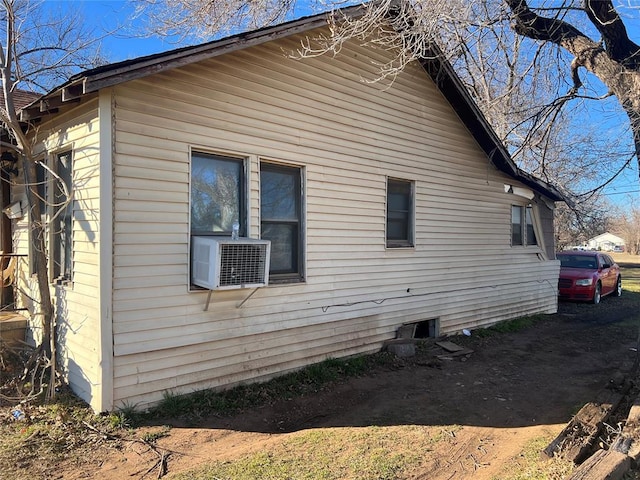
126 416
530 464
369 453
308 380
154 435
630 279
509 326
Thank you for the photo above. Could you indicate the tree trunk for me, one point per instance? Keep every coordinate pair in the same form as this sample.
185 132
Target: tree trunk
614 59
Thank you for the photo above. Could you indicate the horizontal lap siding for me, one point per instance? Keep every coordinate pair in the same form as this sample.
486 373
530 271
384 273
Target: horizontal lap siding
349 136
76 304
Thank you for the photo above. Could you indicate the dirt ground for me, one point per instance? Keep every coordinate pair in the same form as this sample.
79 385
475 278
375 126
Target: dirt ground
514 387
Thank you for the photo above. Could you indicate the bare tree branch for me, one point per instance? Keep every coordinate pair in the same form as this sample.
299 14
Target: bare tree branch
614 33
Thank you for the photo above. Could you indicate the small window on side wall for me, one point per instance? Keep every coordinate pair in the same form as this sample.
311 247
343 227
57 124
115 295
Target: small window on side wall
522 228
400 213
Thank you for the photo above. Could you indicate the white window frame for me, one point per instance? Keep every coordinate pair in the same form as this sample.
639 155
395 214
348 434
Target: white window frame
526 213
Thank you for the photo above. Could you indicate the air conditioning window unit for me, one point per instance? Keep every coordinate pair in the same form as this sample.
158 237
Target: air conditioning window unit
220 263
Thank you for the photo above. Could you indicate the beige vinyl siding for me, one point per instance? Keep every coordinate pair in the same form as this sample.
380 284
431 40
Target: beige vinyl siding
348 135
78 317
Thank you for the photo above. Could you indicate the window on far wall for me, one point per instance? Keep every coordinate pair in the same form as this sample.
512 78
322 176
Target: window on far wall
217 194
62 226
281 219
522 229
399 213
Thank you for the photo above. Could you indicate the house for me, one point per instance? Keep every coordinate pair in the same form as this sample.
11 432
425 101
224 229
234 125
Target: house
385 206
606 242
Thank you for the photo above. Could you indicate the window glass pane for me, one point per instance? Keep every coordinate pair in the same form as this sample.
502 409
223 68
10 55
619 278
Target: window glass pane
281 218
399 197
284 247
396 226
41 195
216 194
63 224
531 234
399 213
278 195
516 225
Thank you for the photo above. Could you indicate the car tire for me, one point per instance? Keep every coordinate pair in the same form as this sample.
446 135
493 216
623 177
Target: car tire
618 290
597 294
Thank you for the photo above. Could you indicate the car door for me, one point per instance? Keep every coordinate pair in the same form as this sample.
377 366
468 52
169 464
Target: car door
607 276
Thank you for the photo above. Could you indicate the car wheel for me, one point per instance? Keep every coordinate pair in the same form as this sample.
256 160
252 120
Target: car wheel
618 291
597 294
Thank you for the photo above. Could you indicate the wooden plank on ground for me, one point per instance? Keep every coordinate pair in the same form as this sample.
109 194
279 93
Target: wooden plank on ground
602 465
449 346
575 441
629 440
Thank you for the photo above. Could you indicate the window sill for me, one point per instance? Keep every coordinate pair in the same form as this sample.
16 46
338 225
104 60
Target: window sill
286 281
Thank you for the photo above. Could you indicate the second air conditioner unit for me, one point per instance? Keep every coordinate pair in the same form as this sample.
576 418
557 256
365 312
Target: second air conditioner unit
221 263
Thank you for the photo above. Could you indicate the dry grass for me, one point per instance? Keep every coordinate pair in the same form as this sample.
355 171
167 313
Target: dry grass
37 437
367 453
630 265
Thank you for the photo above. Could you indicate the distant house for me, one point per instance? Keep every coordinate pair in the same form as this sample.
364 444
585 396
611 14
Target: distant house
385 206
606 242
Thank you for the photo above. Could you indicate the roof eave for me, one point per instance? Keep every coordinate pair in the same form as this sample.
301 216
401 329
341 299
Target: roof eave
102 77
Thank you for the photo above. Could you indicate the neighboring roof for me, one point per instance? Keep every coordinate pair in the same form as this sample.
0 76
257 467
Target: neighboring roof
608 237
21 98
437 67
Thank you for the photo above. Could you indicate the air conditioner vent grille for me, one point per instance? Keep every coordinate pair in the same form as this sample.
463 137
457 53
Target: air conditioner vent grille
223 263
242 264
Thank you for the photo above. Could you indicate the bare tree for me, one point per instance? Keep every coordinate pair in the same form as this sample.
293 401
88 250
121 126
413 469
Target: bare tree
613 58
522 64
40 49
207 18
627 225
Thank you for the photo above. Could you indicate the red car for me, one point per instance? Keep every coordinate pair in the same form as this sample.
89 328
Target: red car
586 275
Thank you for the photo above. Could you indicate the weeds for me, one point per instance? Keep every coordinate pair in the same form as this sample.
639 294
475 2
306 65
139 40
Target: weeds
509 326
308 380
46 434
154 436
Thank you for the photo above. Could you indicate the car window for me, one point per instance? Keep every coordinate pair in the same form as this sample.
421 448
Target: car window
577 261
605 260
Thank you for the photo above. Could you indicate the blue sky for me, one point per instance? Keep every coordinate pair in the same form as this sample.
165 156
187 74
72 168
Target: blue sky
129 42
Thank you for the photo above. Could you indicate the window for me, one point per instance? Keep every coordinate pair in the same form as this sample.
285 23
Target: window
522 229
399 213
40 196
281 219
516 226
217 195
530 232
62 225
